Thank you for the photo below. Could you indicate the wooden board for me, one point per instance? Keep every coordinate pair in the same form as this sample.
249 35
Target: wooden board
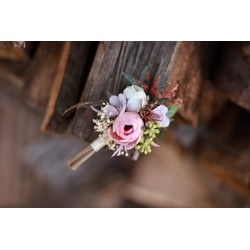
232 72
190 66
11 44
45 70
111 60
66 93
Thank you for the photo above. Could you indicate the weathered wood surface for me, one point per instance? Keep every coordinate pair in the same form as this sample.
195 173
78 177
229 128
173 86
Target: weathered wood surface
11 44
13 54
210 104
45 71
190 66
13 62
232 72
111 60
67 92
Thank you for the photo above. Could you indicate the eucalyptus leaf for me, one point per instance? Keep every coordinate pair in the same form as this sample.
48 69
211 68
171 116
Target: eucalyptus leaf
172 110
143 74
130 78
108 94
162 82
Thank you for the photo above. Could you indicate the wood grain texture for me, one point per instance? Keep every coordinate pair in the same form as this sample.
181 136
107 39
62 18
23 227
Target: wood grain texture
67 92
232 72
45 71
190 66
111 60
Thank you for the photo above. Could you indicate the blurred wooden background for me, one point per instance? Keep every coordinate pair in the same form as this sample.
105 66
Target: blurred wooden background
204 160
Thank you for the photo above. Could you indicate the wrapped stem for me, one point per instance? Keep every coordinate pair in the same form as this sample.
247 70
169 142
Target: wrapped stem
78 159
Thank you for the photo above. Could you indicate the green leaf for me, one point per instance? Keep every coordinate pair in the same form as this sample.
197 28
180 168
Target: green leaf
144 73
130 78
108 94
162 82
162 100
172 110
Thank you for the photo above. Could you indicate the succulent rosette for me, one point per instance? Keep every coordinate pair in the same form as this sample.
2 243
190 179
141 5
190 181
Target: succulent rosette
132 120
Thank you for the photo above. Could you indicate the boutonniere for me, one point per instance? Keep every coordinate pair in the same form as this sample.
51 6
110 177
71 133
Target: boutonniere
133 120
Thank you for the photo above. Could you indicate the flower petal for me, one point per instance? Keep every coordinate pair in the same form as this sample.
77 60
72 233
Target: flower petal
122 101
97 110
114 100
165 122
111 111
116 138
132 144
133 105
129 91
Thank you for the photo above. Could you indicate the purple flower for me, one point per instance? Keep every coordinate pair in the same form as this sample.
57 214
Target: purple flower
115 107
159 114
117 104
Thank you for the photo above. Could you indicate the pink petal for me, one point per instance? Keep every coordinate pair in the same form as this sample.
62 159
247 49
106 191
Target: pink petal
116 138
132 144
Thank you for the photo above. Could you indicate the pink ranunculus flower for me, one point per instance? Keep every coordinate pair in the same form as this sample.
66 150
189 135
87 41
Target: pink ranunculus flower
127 130
160 115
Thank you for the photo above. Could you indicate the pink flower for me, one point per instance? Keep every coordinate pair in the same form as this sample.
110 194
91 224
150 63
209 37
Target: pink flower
126 130
159 114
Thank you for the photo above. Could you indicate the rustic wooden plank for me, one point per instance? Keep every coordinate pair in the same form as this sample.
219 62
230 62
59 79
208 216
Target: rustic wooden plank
8 77
7 44
232 74
66 93
113 58
45 70
13 62
190 66
13 54
210 104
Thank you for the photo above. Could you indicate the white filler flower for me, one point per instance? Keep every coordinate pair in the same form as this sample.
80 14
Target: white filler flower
136 98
